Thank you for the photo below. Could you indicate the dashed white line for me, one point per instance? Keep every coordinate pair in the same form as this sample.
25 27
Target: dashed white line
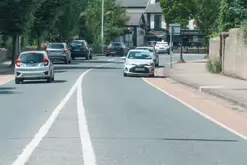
199 112
89 157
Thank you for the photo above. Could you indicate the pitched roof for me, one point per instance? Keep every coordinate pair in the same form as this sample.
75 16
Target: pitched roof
135 18
153 8
132 3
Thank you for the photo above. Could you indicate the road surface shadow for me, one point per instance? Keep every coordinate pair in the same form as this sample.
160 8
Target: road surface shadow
168 139
43 82
7 90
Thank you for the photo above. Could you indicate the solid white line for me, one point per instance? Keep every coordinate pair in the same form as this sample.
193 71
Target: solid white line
199 112
32 145
86 143
110 59
28 150
7 81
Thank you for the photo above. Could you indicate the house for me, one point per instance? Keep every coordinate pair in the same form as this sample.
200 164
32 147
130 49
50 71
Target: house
135 10
156 22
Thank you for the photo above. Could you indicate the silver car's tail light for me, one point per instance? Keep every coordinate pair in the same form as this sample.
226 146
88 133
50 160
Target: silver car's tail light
46 62
17 63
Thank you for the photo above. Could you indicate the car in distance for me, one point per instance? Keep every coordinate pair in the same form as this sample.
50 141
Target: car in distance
80 48
152 43
117 48
154 54
32 65
59 52
138 62
162 47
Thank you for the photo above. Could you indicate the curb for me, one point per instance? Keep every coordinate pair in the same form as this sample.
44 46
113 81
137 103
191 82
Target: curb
208 91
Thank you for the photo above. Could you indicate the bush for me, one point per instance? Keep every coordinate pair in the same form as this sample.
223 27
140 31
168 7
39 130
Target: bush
214 66
206 56
244 29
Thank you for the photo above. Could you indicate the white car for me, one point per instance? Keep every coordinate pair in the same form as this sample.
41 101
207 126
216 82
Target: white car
139 62
162 47
152 50
32 65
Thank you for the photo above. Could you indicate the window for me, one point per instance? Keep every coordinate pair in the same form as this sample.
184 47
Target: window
157 21
56 46
32 57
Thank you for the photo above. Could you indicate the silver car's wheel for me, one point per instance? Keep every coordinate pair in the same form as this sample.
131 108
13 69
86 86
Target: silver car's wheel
125 74
18 81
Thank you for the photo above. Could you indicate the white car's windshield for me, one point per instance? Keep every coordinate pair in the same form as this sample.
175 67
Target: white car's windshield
139 55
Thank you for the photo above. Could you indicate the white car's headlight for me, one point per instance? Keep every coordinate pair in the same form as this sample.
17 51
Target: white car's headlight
151 64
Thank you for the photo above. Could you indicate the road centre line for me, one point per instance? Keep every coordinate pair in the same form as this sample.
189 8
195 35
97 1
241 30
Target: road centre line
198 111
84 134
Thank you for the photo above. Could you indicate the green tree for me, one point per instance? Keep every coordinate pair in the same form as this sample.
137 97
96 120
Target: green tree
115 19
177 11
67 25
206 15
46 17
15 18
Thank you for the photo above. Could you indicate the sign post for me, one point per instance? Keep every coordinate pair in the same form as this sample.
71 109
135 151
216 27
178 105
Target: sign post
174 29
129 37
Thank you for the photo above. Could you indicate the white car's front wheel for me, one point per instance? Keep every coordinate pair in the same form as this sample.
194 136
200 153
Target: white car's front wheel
125 74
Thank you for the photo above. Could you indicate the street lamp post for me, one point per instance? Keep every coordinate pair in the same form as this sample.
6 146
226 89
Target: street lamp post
102 27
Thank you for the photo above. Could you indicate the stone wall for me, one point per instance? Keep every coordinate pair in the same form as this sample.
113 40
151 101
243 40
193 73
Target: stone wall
214 48
235 55
233 51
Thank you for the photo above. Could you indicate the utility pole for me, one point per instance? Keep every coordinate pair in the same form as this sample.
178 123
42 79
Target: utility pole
129 37
102 27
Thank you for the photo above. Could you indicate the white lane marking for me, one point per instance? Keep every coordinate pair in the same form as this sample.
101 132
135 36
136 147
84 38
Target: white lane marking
210 87
86 143
11 79
110 59
32 145
199 112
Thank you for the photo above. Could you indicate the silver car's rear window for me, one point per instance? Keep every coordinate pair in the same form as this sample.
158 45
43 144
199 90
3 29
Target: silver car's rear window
32 58
56 46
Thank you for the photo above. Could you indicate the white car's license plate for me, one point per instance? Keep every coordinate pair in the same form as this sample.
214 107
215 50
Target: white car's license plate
113 52
55 53
140 69
76 49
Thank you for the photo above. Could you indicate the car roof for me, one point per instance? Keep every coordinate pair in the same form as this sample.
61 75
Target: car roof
135 50
79 40
57 43
34 51
162 42
148 47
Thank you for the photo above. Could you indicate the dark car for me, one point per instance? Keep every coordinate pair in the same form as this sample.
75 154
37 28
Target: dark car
80 48
152 43
117 48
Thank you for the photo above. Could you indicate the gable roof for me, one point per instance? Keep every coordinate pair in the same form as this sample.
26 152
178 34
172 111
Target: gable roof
135 18
133 3
153 8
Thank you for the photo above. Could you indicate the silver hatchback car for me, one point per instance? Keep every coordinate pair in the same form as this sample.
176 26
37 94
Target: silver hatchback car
59 52
32 65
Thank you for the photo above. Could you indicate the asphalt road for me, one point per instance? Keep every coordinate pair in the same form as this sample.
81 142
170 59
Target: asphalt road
100 117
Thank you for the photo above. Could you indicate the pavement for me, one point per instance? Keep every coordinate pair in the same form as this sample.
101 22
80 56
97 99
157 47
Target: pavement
196 75
93 115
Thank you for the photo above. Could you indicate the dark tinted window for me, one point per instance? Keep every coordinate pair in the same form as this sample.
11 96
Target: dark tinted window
115 45
77 43
152 43
56 46
150 50
139 55
32 57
